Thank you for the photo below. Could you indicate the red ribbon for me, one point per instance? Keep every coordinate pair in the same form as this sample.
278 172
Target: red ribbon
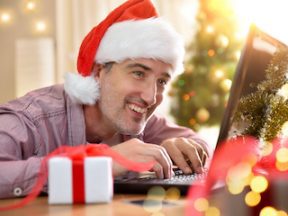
78 181
77 154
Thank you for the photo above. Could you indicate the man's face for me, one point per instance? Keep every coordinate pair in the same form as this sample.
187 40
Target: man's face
130 93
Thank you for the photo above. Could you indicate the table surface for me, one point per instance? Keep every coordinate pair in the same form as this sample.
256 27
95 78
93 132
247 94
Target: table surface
120 205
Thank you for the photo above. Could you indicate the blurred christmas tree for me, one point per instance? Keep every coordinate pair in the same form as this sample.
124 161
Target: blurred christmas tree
265 112
201 92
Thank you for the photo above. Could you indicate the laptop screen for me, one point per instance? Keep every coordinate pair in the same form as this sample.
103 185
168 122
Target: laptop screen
257 53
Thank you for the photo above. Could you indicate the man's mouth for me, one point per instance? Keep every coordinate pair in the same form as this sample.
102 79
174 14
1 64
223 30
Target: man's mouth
137 109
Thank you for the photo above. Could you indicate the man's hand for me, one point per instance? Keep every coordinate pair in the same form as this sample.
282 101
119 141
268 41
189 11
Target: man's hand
187 154
138 151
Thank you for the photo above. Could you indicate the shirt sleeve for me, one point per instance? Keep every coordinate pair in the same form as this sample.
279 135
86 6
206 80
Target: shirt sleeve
19 163
159 129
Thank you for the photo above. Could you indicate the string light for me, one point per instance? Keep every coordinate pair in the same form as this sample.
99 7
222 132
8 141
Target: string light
40 26
282 155
201 204
5 17
259 184
211 52
226 84
252 198
186 97
210 29
212 211
219 74
30 5
223 41
268 211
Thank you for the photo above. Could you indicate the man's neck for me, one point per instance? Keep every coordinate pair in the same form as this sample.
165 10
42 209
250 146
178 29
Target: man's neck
96 129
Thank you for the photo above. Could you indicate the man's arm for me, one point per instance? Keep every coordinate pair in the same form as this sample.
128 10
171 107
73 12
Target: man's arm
187 150
19 165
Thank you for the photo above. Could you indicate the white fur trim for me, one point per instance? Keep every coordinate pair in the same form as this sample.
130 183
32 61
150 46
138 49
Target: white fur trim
147 38
83 90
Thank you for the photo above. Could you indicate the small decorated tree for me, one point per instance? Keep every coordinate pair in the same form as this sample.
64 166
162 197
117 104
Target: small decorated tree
265 112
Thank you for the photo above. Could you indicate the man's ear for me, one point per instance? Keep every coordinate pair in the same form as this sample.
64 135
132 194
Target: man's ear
96 68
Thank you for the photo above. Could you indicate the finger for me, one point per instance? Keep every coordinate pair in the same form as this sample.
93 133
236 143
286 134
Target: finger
159 172
201 151
162 157
178 158
194 157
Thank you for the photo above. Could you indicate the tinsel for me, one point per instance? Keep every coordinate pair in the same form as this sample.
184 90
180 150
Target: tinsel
265 111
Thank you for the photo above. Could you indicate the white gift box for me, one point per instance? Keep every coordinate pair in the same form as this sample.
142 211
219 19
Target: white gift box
98 180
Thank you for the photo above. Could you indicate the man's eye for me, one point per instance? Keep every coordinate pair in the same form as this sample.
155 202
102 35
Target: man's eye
138 74
162 82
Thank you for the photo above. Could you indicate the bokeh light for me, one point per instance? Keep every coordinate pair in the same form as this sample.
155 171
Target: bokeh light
259 184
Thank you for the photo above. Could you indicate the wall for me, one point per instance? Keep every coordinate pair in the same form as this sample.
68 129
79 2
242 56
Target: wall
21 26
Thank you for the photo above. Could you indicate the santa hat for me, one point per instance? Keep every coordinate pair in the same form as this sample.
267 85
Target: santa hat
133 30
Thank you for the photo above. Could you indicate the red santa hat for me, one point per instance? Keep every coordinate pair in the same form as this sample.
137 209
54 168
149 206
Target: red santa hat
133 30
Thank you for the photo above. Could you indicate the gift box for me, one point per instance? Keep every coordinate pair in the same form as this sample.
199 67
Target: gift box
88 180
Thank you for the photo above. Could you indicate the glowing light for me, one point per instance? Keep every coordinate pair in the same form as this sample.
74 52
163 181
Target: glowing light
203 115
282 155
237 55
186 97
156 192
30 5
238 177
226 84
268 211
152 205
210 29
153 202
257 11
5 17
192 121
173 193
281 213
283 91
219 73
267 149
284 129
40 26
259 184
201 204
252 198
212 211
211 52
281 166
223 41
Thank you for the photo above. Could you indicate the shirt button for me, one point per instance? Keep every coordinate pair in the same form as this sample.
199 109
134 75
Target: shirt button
17 191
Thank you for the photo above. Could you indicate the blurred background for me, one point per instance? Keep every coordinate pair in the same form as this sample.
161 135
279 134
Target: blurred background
40 41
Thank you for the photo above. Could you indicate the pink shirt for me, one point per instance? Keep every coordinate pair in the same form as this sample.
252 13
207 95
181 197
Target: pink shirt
36 124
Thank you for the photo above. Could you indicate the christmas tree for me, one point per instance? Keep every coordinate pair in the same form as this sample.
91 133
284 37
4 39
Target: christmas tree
265 112
201 92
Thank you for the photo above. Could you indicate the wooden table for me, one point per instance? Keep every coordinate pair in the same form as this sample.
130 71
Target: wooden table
121 205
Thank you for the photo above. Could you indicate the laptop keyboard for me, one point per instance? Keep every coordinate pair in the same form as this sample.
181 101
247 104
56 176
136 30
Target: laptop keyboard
143 182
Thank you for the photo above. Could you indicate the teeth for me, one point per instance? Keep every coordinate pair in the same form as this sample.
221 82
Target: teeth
137 109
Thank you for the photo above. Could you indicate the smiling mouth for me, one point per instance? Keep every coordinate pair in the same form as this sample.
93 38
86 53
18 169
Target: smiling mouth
137 109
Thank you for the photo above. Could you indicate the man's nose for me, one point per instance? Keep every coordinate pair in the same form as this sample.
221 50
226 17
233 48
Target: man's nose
149 94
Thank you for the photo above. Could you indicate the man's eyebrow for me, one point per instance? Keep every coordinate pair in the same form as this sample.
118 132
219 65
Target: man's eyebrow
145 67
139 65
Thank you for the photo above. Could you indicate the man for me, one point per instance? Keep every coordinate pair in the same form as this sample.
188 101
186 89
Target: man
124 65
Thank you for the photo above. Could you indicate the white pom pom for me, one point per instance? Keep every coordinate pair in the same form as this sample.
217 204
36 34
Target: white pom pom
83 90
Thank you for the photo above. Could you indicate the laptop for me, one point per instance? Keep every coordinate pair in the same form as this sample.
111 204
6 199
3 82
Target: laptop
256 54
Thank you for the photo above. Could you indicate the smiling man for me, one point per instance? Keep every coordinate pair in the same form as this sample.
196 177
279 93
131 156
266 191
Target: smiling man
124 65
